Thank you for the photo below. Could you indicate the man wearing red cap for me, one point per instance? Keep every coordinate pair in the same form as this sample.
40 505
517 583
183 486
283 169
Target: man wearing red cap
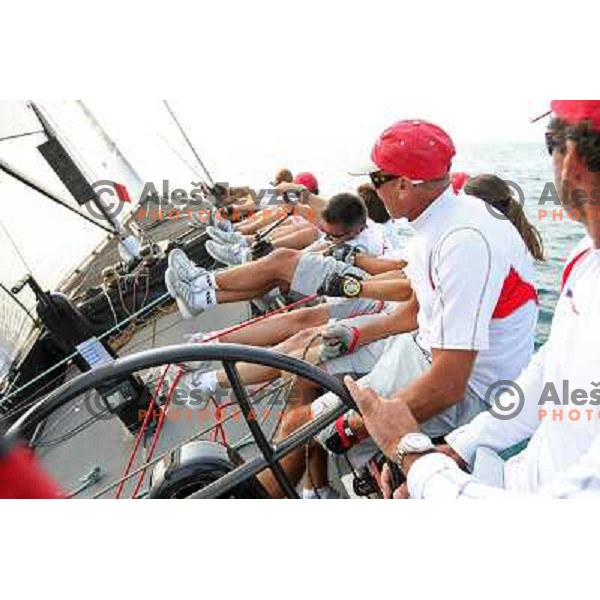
475 307
555 400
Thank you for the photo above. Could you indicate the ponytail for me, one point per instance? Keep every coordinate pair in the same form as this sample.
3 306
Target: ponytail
495 192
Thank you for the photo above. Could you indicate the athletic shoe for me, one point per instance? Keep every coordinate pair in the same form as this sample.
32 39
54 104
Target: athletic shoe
228 255
154 377
196 385
200 387
185 269
326 493
223 237
197 339
218 220
191 301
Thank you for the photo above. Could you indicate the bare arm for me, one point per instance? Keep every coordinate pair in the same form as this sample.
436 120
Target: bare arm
442 386
402 320
394 289
375 266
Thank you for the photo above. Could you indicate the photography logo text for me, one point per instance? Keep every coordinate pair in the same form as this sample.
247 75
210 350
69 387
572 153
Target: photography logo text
558 401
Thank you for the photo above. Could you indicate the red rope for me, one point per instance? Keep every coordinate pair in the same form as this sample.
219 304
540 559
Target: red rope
142 431
219 429
160 425
241 326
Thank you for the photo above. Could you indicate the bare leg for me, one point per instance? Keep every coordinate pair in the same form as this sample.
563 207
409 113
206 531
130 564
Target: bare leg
317 468
289 227
251 374
297 240
261 220
278 328
230 296
275 269
294 464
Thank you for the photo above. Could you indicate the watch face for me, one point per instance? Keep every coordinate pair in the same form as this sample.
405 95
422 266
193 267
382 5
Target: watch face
415 443
352 288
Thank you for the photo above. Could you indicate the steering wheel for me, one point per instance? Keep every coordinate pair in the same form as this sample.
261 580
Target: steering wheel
229 355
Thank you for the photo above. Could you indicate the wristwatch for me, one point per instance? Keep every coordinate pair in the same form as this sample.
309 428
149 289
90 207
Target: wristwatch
413 443
351 286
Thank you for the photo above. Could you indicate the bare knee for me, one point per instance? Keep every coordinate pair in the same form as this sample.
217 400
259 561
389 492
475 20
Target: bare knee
308 318
283 262
304 337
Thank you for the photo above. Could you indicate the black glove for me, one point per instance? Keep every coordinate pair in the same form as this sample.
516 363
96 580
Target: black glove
261 248
341 286
342 439
219 193
343 252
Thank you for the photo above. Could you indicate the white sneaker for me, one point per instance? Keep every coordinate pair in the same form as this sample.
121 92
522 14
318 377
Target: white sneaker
198 386
191 301
186 270
198 339
218 220
224 237
228 255
325 493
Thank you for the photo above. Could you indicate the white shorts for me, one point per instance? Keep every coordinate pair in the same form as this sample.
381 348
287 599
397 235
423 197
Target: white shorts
312 270
349 309
401 363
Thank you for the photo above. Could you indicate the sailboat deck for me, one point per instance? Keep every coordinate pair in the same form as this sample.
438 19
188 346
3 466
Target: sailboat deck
107 444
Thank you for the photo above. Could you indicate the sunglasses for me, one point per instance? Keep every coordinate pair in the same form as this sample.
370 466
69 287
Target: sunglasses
379 179
552 144
332 237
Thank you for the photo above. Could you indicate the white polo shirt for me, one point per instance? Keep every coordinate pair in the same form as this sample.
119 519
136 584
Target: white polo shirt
562 459
469 270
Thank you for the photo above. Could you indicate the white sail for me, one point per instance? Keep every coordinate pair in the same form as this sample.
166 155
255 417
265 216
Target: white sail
16 120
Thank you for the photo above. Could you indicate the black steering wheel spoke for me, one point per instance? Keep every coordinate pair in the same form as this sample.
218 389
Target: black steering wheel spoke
260 439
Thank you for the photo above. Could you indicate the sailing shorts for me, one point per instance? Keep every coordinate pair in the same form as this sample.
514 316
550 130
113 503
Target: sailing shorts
312 270
401 362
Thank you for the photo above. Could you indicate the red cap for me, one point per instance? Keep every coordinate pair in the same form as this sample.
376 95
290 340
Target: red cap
575 111
415 149
308 180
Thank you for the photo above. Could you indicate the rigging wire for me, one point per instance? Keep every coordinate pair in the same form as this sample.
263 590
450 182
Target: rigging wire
188 141
15 248
30 183
182 158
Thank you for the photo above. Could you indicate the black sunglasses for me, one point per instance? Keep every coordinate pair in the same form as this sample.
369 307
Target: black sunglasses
379 178
552 144
332 237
